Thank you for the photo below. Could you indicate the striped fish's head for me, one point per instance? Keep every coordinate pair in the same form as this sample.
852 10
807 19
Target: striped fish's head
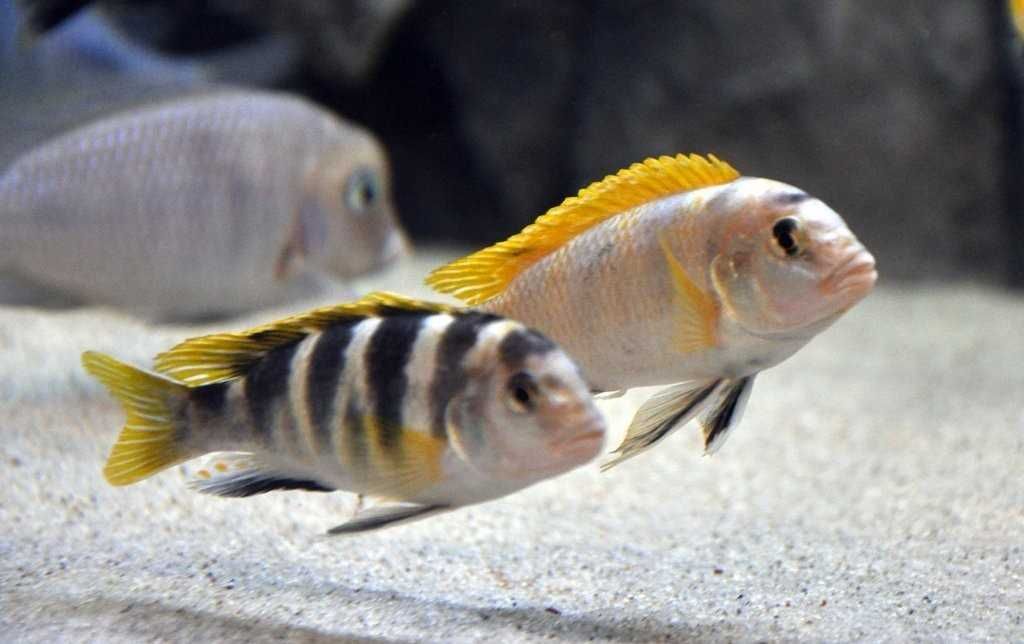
348 202
785 262
526 414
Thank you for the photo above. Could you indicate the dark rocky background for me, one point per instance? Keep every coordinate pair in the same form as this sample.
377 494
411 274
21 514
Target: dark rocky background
904 116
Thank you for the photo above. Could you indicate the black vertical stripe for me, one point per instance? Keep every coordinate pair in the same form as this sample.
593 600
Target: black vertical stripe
210 399
520 344
449 376
266 386
326 365
792 198
388 353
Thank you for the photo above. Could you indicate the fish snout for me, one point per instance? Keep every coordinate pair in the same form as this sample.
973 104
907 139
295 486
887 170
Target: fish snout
395 247
854 275
582 437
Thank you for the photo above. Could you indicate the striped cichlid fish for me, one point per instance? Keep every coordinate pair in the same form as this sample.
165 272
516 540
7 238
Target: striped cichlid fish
429 407
675 270
198 206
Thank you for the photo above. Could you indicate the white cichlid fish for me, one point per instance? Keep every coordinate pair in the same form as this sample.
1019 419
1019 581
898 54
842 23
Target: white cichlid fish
420 404
199 206
675 270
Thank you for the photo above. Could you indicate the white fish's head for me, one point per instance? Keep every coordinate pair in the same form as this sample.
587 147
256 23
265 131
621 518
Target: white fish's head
349 206
786 263
526 412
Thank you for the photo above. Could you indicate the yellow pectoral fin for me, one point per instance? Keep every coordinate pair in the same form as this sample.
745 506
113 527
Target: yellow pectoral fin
410 467
696 311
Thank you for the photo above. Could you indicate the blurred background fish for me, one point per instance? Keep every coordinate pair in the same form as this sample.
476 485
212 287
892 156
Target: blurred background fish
199 206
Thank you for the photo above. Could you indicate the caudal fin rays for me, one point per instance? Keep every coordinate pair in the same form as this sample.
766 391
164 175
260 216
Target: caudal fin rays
151 439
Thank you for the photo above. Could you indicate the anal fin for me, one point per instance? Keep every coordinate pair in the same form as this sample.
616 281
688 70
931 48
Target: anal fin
661 414
239 474
726 413
383 516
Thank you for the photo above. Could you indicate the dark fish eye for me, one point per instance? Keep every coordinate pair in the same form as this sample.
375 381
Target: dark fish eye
783 232
362 190
521 393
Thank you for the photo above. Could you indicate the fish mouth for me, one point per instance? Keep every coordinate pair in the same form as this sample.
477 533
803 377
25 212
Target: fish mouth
562 456
582 446
856 274
396 247
586 439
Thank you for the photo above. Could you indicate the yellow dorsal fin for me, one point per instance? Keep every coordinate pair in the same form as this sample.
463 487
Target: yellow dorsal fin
486 273
226 356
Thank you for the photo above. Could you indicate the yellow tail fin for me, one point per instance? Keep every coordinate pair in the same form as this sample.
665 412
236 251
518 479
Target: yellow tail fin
150 441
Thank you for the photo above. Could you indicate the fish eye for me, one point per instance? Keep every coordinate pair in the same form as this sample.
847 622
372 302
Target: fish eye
784 233
521 393
362 190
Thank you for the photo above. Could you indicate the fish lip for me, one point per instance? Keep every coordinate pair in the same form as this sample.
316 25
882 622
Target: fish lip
585 438
856 271
396 247
568 454
859 280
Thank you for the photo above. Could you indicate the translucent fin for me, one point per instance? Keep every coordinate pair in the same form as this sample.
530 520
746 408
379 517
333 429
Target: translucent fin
726 413
149 441
238 474
486 273
609 395
383 516
696 312
660 415
226 356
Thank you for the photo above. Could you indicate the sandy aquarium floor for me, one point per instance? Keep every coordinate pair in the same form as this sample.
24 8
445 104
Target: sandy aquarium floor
874 491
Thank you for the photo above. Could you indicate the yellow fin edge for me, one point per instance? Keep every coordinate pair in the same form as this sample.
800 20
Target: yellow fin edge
479 277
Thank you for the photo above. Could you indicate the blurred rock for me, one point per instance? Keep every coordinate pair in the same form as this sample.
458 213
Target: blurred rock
512 70
342 39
